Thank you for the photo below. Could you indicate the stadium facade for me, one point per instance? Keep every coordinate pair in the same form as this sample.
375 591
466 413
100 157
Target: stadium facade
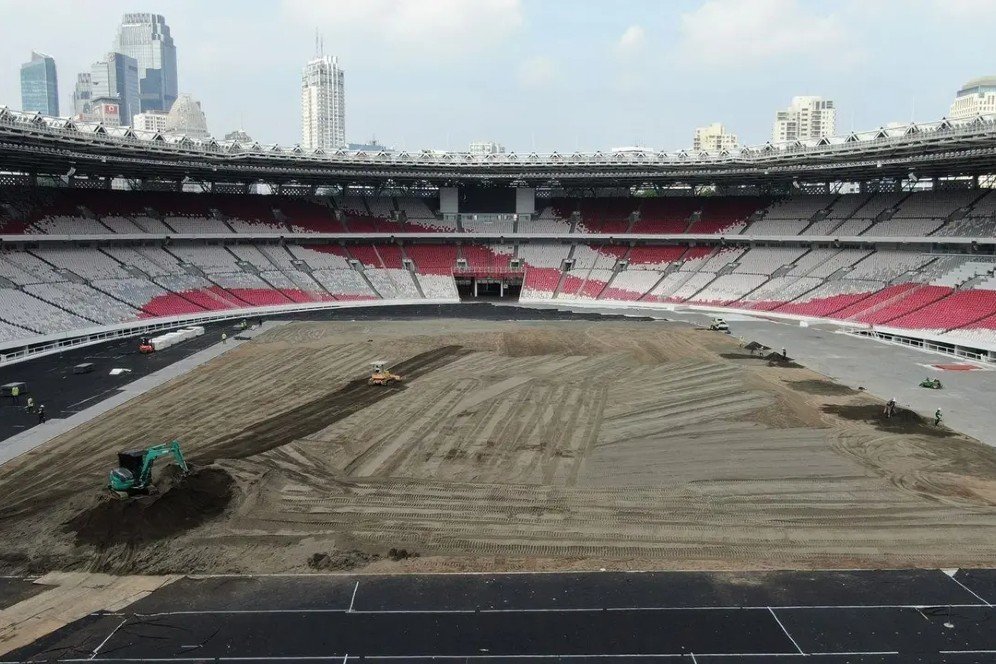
109 232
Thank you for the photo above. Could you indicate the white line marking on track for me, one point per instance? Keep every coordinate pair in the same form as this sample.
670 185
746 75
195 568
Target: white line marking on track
694 661
821 607
108 638
775 616
353 598
969 590
92 398
330 658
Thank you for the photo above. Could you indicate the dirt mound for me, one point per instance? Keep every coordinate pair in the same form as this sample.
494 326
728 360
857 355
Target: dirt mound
821 387
754 346
904 421
181 504
341 561
779 360
740 356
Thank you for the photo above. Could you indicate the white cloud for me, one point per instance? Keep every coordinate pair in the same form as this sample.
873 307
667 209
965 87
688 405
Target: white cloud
752 32
966 9
419 27
537 72
632 41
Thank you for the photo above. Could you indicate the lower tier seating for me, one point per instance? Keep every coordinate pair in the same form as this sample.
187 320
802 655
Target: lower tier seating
57 289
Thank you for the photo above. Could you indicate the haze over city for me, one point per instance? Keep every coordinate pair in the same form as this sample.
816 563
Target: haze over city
536 75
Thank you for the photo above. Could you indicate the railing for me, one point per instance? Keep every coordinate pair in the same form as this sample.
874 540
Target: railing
486 272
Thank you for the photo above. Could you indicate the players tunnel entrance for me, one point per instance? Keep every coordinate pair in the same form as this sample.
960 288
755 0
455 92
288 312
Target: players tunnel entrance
488 286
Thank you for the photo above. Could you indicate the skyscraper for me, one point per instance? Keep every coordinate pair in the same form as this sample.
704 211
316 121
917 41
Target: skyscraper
39 87
116 77
82 94
807 117
323 104
146 38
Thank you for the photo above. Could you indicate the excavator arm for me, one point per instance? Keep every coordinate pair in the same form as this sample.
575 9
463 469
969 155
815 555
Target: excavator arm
153 453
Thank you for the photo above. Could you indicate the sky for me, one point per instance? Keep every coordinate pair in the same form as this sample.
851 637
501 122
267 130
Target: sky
539 75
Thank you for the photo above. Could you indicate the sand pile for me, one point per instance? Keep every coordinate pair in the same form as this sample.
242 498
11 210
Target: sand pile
180 504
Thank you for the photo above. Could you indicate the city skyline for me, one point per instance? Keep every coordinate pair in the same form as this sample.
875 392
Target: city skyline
424 78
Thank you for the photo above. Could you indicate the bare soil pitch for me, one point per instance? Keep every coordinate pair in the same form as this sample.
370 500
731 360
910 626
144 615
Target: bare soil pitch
567 445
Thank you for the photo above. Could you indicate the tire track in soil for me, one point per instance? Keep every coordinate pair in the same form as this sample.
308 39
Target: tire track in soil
319 413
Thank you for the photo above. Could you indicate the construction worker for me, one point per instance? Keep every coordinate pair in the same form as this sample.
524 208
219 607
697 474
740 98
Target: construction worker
31 404
937 417
41 414
890 408
785 354
224 338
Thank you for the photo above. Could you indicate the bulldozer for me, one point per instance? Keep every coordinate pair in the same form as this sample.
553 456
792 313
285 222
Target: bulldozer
382 375
133 475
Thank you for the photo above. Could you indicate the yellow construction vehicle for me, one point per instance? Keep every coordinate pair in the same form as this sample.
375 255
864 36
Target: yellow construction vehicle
382 375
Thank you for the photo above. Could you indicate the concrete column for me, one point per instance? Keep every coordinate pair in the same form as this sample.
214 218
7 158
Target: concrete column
449 200
525 200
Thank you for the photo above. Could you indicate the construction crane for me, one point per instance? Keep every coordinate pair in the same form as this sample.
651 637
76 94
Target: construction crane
134 474
382 375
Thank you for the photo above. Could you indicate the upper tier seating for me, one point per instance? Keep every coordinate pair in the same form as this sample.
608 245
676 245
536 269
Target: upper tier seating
971 212
935 204
665 215
64 225
197 225
654 258
476 224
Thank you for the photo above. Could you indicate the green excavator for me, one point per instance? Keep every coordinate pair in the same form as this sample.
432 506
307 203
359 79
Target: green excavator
134 474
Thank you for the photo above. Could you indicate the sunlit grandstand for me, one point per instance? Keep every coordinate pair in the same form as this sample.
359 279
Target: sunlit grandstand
111 232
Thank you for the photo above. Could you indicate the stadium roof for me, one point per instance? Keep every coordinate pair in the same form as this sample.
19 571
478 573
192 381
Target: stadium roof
32 143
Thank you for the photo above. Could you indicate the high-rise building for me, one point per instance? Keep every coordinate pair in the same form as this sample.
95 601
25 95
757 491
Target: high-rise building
149 121
977 97
82 94
323 105
186 118
39 85
486 147
713 138
146 38
806 118
116 77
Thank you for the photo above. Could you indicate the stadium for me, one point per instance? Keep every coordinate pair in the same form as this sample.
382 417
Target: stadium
563 404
